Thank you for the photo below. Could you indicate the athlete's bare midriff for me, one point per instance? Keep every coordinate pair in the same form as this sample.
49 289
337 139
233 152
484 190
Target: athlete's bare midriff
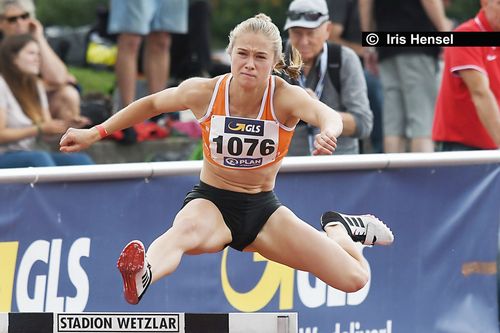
245 181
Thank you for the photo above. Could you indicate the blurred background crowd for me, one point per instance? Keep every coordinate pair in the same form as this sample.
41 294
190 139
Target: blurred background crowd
73 63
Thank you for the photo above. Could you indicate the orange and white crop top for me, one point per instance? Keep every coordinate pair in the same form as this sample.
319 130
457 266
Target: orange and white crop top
243 143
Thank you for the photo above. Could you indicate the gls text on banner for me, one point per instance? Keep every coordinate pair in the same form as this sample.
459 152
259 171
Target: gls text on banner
431 39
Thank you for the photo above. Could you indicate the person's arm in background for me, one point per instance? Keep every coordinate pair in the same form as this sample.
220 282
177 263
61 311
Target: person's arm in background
15 134
47 126
366 17
485 102
340 10
435 11
357 116
53 69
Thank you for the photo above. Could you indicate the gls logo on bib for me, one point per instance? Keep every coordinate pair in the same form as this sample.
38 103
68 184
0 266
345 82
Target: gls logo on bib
244 126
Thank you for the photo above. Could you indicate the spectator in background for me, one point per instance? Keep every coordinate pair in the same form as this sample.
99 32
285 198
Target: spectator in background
346 30
308 28
151 20
191 52
63 97
467 109
26 4
408 74
24 114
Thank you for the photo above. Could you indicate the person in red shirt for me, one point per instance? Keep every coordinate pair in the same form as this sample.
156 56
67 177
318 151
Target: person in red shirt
467 110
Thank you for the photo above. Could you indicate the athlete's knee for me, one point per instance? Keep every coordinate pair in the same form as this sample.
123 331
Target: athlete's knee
356 281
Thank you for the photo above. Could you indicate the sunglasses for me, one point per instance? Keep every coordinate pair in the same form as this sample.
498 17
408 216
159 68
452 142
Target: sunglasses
13 19
308 16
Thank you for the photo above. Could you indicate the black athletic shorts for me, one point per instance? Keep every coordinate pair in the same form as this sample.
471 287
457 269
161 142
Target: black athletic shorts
244 214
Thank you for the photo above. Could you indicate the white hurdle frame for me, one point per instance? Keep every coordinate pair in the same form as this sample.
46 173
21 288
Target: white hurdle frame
53 322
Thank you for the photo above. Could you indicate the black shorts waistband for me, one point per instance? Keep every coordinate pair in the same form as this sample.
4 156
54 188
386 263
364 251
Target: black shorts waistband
205 186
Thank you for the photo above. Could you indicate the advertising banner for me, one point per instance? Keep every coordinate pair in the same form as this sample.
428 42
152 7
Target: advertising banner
59 242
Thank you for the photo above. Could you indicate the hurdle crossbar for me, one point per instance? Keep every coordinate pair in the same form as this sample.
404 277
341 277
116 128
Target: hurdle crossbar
53 322
290 164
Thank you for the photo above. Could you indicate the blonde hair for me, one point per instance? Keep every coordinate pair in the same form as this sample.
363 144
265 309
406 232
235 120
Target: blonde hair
261 23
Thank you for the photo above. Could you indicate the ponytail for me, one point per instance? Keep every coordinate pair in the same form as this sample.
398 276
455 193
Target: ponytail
291 66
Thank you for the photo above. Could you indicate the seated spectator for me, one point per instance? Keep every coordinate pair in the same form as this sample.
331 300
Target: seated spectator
345 91
24 114
467 109
63 97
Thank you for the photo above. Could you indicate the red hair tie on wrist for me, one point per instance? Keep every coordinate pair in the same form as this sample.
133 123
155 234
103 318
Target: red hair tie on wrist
102 131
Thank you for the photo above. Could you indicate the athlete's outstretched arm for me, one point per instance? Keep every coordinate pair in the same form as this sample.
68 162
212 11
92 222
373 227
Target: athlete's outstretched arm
166 101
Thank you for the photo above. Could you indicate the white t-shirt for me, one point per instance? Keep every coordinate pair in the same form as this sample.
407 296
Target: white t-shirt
16 118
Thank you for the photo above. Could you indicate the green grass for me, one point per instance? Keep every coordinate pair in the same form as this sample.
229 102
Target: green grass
93 81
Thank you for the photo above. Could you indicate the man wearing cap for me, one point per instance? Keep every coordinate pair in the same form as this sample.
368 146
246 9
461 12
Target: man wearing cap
308 28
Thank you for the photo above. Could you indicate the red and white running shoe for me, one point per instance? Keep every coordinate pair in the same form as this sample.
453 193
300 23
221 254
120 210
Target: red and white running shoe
366 229
135 270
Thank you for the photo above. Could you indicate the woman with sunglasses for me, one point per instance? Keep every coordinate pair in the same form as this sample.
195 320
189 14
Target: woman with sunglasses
247 119
63 97
24 115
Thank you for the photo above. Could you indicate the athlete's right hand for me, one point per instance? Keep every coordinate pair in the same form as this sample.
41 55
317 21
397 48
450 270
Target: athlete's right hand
77 139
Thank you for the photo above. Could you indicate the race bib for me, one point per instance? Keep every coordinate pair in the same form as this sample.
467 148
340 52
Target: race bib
243 143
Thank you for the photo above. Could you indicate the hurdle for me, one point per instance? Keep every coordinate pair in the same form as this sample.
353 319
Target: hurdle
53 322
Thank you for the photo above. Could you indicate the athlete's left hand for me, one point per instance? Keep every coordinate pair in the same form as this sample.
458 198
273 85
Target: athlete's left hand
325 143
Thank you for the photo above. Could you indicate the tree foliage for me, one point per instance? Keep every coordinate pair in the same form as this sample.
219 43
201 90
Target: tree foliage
462 10
71 13
225 13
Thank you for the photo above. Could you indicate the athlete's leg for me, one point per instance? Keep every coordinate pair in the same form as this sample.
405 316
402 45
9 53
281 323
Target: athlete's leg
332 257
197 228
